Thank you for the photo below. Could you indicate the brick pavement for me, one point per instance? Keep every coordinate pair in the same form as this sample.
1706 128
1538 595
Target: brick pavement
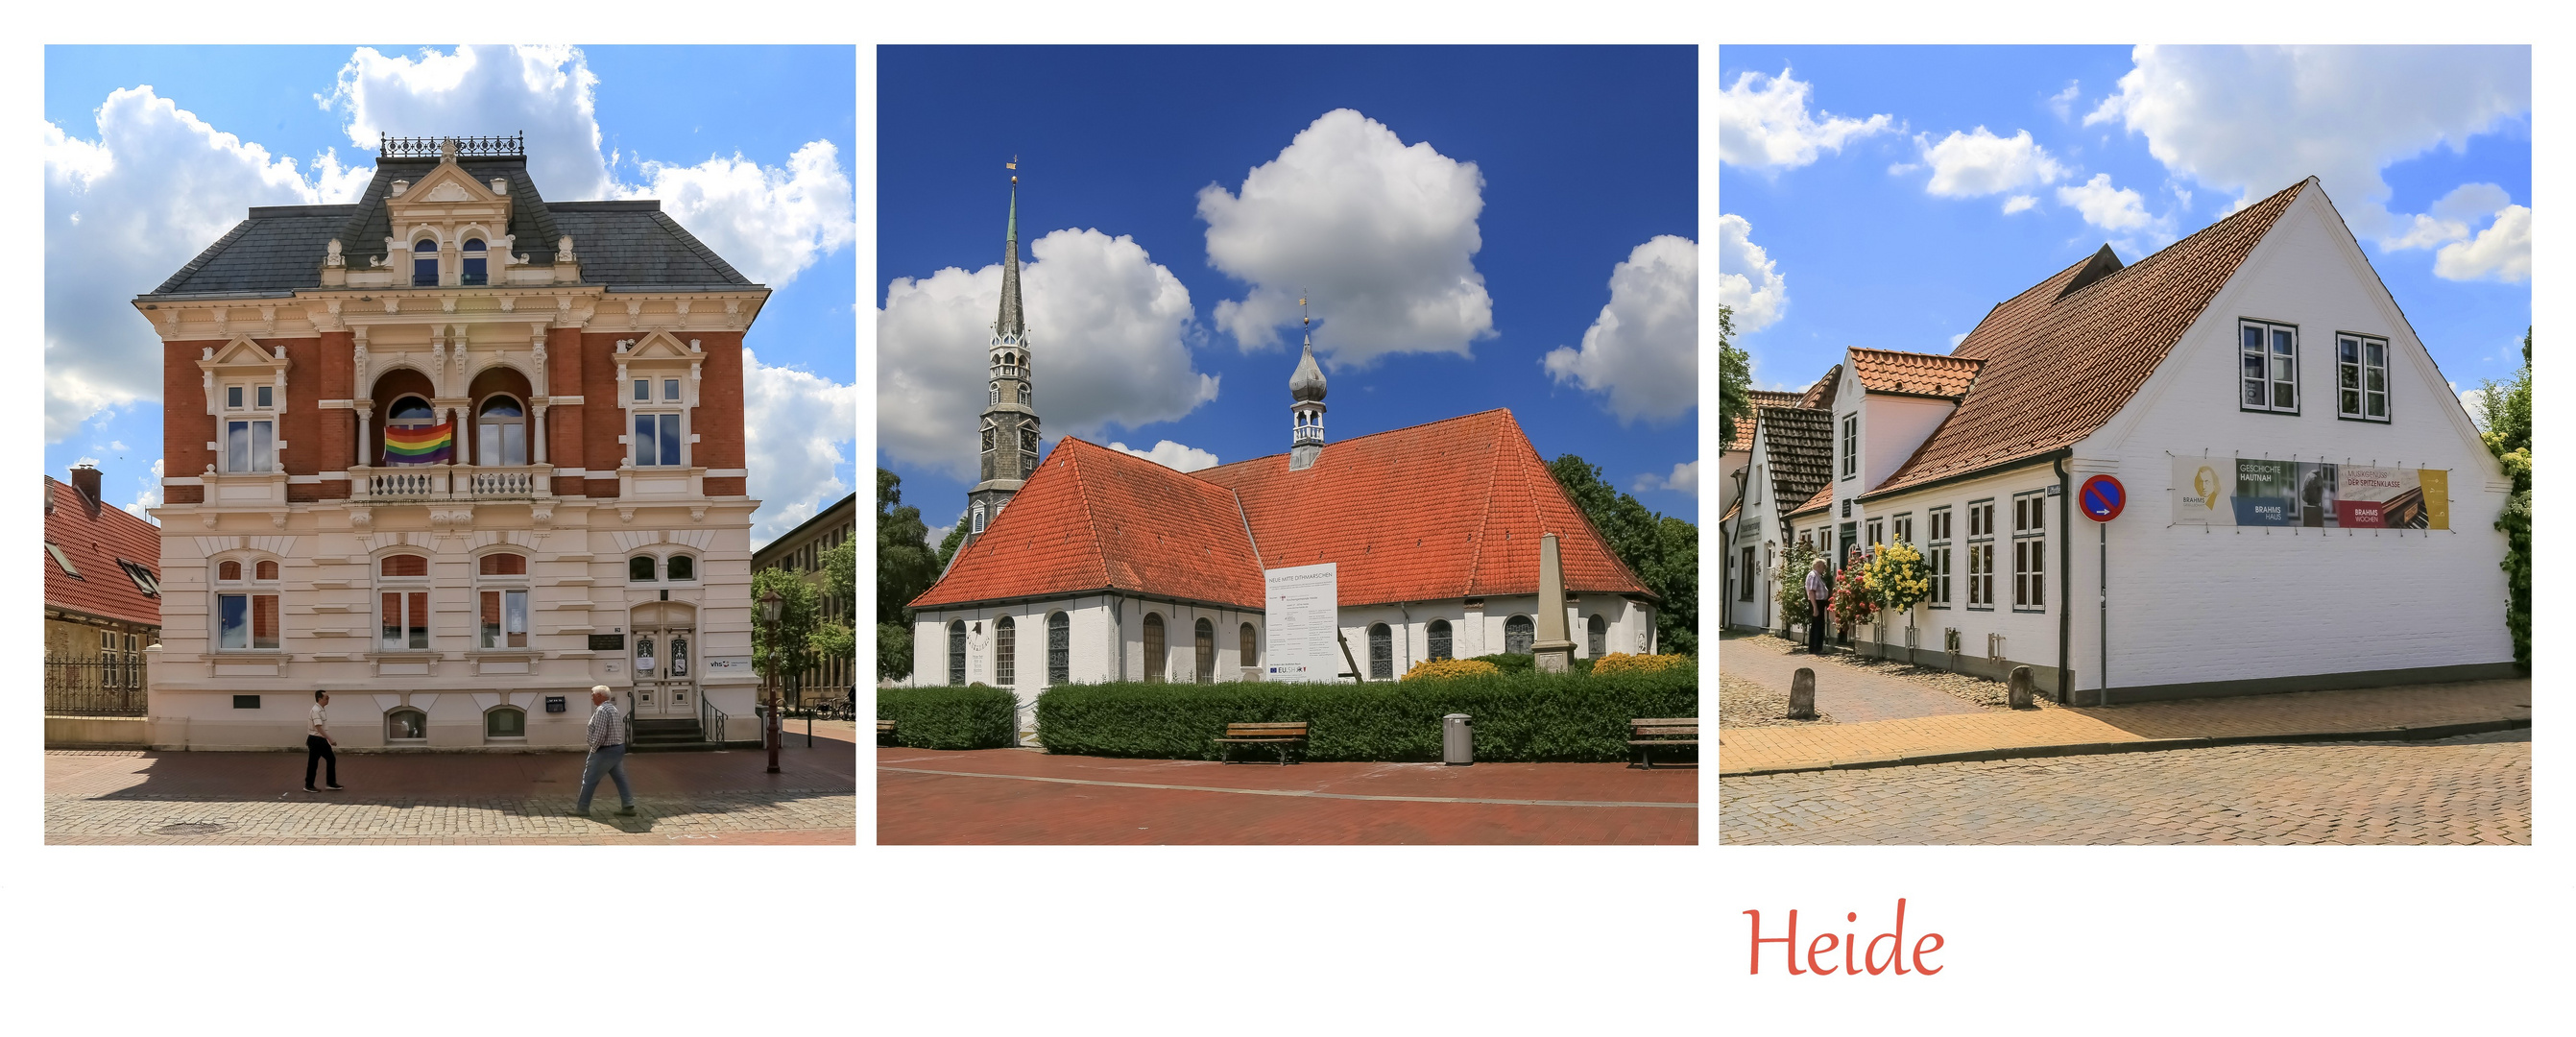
1015 796
2472 789
708 798
1992 734
1850 696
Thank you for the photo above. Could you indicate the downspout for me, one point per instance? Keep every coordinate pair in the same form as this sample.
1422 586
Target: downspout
2065 579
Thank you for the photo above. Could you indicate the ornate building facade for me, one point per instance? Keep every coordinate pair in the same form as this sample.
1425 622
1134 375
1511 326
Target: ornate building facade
456 453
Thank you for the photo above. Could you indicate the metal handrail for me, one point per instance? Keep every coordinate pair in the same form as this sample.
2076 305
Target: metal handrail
711 721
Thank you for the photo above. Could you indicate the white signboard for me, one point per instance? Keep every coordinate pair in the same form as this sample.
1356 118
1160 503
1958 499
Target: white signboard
1303 606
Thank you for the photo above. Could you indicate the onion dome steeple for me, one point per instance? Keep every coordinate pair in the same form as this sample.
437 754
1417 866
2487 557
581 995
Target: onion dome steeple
1306 406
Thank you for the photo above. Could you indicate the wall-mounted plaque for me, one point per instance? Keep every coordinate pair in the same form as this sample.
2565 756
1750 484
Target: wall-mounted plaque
607 642
554 703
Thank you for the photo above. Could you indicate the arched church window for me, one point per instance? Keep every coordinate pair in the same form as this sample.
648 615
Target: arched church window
474 262
1206 639
1381 652
1251 645
997 392
979 518
956 651
1006 648
1596 636
1153 646
1439 634
1024 395
1059 649
501 432
1518 632
424 263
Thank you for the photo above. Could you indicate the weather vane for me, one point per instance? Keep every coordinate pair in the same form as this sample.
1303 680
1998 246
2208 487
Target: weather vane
1013 165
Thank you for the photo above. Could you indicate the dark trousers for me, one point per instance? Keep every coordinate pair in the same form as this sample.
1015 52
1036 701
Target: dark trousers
1817 617
317 750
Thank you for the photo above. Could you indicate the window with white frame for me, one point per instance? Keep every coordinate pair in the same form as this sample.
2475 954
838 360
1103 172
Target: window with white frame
1877 533
424 263
1936 555
1851 445
2268 366
2030 551
1981 554
657 406
979 518
501 432
1753 488
1904 525
246 616
2361 377
476 263
402 603
250 427
502 600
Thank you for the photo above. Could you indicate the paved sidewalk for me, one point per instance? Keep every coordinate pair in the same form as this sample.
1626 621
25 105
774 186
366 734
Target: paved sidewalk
993 796
2410 711
1848 695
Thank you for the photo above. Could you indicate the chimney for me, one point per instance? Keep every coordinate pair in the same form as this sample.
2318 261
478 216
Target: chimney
85 479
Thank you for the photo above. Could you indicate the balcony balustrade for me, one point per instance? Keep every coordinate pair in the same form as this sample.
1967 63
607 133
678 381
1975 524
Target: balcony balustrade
451 482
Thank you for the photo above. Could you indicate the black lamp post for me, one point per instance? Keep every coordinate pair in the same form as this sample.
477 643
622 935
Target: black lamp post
769 604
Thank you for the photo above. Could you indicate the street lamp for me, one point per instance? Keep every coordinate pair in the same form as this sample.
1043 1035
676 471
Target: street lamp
769 604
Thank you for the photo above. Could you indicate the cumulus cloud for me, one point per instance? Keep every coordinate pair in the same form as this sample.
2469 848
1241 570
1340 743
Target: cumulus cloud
1763 123
125 209
2115 209
1172 455
769 222
1644 348
2022 203
1685 479
798 430
2254 120
148 496
1747 280
1109 342
1383 235
546 91
1977 163
2063 102
2502 251
2475 402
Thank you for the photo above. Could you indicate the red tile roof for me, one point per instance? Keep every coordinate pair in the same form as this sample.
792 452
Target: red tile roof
1823 499
1914 374
95 543
1820 396
1448 509
1752 416
2062 357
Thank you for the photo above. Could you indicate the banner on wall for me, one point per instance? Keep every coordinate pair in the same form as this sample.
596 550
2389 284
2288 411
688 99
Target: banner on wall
2245 491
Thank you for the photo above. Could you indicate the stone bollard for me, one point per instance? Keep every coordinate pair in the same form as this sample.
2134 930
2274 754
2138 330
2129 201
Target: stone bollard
2017 693
1802 695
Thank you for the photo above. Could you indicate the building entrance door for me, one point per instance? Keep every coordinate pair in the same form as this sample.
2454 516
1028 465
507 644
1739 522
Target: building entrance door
663 649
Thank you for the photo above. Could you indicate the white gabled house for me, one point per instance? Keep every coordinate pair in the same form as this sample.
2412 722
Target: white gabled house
2307 504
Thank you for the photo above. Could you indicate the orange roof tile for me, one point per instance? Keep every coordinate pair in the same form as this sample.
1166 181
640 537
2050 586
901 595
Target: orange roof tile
95 543
1820 396
1914 374
2063 356
1096 519
1745 423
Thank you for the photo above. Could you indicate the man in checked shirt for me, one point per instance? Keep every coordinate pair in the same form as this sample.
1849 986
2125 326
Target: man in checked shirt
607 753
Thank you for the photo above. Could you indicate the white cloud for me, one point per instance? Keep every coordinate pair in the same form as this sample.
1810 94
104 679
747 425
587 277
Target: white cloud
1976 163
1763 123
1747 279
2502 251
2021 203
798 429
1109 334
1685 479
1382 235
2063 103
2475 402
2254 120
2115 209
2471 202
149 496
1644 348
937 535
545 91
769 222
125 210
1171 455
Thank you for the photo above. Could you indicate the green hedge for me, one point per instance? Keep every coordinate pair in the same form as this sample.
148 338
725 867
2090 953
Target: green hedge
971 717
1525 716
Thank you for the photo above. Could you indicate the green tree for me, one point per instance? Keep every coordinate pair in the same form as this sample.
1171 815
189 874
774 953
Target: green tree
905 568
1734 380
949 544
2505 420
836 630
786 644
1663 551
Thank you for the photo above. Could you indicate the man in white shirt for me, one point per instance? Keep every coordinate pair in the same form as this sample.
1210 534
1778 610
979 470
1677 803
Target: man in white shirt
317 746
607 753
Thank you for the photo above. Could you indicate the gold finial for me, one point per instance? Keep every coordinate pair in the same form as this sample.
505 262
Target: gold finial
1013 164
1309 321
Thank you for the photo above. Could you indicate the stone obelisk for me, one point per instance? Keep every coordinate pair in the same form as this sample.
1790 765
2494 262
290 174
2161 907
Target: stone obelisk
1554 650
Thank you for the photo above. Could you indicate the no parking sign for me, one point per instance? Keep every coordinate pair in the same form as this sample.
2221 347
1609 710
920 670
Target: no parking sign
2102 498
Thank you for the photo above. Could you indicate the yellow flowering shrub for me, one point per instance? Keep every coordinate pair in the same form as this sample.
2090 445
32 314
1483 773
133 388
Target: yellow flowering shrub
1622 662
1896 576
1447 669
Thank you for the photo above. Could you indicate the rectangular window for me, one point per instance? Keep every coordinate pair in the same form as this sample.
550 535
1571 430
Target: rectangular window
643 390
248 446
1981 554
505 619
2361 378
1877 532
2268 372
232 397
1851 445
406 620
246 621
1753 488
2030 551
657 440
1744 584
1904 528
245 702
424 270
1936 555
671 390
266 400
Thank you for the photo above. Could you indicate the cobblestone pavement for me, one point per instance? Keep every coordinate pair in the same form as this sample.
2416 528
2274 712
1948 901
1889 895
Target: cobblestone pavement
1848 692
710 798
2473 789
1746 703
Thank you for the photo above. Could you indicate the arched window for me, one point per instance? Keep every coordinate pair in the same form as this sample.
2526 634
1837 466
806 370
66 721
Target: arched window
402 585
502 593
265 570
424 263
682 568
956 651
639 569
1059 649
410 412
1438 632
1251 647
1024 394
246 617
228 570
1153 646
1517 635
505 722
501 432
1006 648
406 724
1206 637
997 392
979 507
474 266
1597 635
1381 652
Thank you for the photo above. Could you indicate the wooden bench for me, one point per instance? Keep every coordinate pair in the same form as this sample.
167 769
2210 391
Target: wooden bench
1645 735
1279 734
885 730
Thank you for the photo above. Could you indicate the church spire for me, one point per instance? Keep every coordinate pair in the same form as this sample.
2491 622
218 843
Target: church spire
1008 434
1306 403
1010 322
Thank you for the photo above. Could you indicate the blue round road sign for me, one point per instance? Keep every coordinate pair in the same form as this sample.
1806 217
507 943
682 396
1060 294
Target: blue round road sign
2102 498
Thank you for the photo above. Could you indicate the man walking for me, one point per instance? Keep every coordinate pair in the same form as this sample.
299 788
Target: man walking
607 753
317 746
1819 597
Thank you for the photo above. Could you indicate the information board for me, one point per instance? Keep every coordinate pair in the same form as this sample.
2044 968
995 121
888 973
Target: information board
2245 491
1303 605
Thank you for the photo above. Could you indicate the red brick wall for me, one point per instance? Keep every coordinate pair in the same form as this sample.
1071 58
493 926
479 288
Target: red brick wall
185 427
735 486
319 440
564 439
599 449
718 420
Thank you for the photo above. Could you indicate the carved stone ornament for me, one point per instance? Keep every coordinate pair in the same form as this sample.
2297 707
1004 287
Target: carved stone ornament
332 259
361 518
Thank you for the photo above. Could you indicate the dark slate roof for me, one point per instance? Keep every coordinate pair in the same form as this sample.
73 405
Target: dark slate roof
1798 448
625 245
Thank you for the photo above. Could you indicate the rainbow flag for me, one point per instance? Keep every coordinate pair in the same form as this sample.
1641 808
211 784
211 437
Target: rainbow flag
434 444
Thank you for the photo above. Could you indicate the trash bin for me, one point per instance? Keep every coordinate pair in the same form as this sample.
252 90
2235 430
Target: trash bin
1457 739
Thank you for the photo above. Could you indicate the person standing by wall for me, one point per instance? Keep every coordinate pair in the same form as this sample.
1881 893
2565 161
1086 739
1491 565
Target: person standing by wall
1820 592
317 747
607 753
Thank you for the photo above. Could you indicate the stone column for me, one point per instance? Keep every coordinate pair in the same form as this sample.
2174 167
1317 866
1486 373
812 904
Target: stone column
363 412
1554 650
537 436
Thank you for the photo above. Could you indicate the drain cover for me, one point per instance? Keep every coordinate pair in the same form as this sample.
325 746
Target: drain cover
193 828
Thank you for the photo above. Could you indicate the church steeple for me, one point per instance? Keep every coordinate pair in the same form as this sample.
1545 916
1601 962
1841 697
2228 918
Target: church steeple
1306 403
1009 429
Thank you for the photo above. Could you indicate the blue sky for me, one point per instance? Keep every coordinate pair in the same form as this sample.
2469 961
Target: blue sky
1853 217
747 146
1436 290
